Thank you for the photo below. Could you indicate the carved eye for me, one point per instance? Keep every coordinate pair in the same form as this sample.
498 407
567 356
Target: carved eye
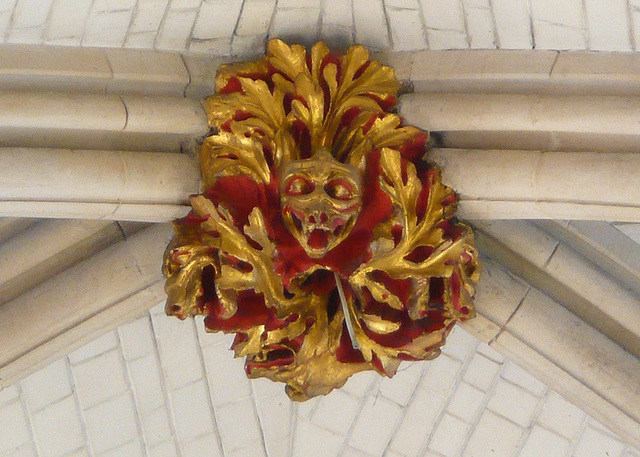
339 189
299 186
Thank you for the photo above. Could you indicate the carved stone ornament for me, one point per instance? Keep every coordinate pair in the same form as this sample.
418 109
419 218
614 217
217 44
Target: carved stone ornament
322 239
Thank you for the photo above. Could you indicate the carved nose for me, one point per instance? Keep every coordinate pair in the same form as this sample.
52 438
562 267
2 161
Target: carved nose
313 218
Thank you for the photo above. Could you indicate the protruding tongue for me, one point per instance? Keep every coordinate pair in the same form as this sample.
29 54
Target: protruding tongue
319 239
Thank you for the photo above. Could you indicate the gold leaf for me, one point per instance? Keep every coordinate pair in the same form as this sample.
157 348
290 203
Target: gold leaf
318 52
260 102
290 60
381 294
226 72
379 325
248 153
253 344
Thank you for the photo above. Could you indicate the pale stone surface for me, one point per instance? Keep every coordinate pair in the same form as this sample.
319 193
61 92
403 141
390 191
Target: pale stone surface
99 379
191 410
493 436
48 385
406 29
558 414
15 428
480 24
213 19
146 72
97 347
296 25
58 428
370 434
275 419
518 376
404 383
481 372
370 24
594 443
441 415
255 17
466 402
513 24
448 428
544 442
111 424
512 403
450 24
608 25
424 410
324 415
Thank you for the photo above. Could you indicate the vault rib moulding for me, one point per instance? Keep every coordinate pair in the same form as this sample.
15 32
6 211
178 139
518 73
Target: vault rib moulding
81 303
559 348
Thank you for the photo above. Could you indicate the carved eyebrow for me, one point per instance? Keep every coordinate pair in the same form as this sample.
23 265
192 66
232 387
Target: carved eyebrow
343 181
340 173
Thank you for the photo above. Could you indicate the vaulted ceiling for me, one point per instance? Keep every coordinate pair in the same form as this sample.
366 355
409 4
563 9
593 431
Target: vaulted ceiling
95 159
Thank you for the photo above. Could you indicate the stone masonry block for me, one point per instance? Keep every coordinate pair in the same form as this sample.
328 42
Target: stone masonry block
514 403
400 388
466 402
594 443
205 446
238 424
370 24
608 25
517 375
493 436
14 426
325 414
136 338
441 376
99 379
176 29
146 380
481 372
217 19
192 411
155 426
68 18
309 438
47 385
98 346
370 433
406 29
58 428
255 18
148 16
179 353
479 25
544 442
560 415
449 436
425 409
513 24
111 423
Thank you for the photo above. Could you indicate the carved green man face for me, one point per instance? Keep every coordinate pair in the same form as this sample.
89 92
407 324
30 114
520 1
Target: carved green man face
321 199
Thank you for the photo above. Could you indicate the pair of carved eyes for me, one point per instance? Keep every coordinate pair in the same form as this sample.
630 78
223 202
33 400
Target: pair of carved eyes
340 189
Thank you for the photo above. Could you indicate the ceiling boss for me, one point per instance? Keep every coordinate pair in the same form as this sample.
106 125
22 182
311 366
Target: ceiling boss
323 239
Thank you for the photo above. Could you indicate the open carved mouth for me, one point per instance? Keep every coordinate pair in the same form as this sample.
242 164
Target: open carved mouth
319 235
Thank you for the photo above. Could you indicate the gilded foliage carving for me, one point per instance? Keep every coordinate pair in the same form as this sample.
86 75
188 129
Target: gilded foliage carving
322 239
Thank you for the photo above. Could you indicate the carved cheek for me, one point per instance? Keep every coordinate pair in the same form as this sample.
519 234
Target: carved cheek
296 211
349 210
